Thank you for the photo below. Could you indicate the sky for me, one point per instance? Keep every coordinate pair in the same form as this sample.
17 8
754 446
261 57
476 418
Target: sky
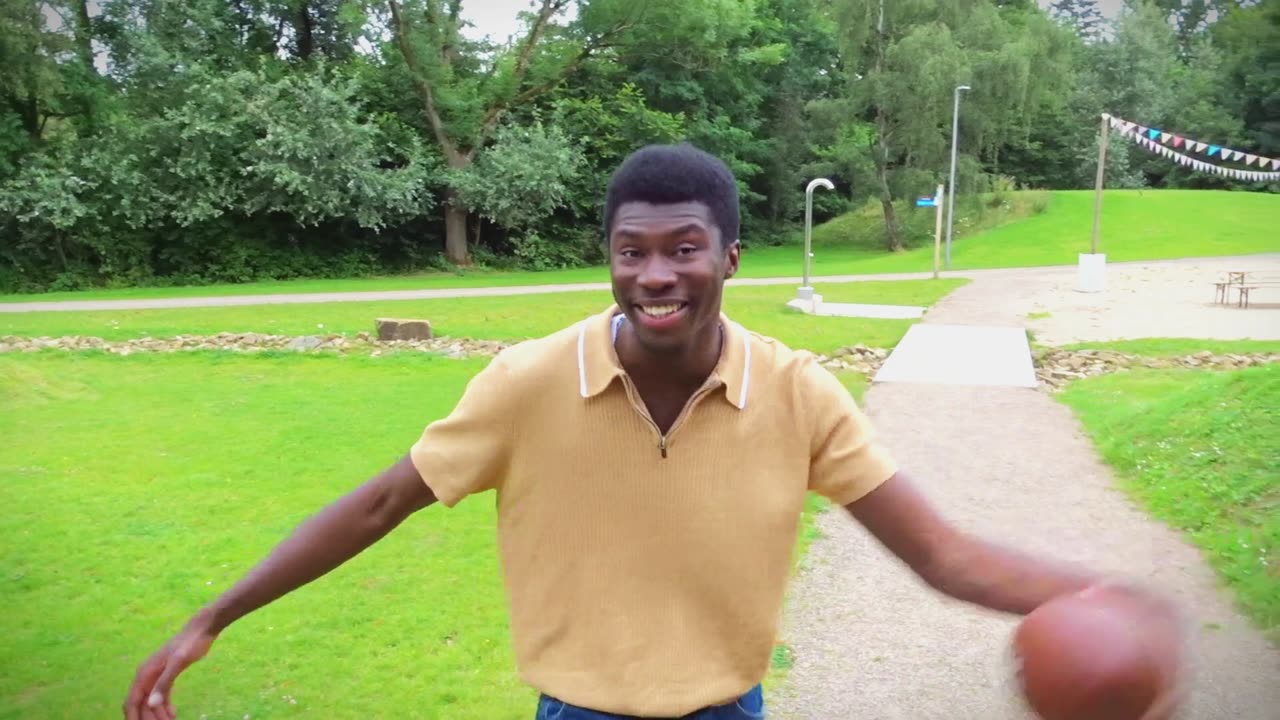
498 18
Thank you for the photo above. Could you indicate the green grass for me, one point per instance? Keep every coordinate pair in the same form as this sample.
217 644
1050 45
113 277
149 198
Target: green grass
1136 225
759 308
136 489
1198 449
1178 347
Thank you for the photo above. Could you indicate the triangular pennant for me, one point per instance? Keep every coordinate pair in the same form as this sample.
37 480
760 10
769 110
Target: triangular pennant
1113 121
1200 146
1177 141
1248 159
1236 154
1213 149
1153 133
1275 164
1164 137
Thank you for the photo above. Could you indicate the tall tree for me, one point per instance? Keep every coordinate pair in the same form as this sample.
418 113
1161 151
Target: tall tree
463 101
1083 16
1249 39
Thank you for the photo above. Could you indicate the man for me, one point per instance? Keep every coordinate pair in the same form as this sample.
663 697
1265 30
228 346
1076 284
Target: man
650 466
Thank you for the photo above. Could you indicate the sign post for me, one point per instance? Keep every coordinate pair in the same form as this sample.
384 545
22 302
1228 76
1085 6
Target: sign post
935 202
1093 265
937 232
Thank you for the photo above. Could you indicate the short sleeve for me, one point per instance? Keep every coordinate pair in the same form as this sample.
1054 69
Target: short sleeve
467 451
846 460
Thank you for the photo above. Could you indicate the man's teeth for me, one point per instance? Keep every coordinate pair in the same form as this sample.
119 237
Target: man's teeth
659 310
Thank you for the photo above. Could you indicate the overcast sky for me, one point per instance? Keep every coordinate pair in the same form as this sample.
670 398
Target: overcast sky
497 18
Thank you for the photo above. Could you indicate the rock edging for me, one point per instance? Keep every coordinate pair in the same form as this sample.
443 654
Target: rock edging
1056 368
256 342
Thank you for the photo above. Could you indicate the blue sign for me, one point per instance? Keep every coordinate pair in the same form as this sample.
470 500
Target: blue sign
926 202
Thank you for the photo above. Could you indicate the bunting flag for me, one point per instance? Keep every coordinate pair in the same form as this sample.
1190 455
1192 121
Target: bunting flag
1163 143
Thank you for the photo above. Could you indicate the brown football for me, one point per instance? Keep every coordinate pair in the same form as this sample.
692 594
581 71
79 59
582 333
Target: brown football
1087 658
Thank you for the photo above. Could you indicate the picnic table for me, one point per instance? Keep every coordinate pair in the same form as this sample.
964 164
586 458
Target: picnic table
1244 282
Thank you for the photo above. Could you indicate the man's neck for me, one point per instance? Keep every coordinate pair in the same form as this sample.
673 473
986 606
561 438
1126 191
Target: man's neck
688 366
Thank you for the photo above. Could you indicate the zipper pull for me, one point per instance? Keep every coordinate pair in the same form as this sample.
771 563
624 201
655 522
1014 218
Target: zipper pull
662 445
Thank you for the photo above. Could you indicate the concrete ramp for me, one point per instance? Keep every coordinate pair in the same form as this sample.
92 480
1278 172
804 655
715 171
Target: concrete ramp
829 309
960 355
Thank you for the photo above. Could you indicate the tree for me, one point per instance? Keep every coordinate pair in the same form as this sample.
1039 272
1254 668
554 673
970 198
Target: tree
462 102
1249 39
902 62
1082 16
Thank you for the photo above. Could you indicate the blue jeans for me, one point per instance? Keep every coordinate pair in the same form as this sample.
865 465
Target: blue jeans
748 707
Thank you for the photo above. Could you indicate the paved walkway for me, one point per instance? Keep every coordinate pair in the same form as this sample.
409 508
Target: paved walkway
871 642
1012 276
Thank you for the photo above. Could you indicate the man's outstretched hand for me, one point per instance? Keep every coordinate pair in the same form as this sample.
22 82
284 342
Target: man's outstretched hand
151 695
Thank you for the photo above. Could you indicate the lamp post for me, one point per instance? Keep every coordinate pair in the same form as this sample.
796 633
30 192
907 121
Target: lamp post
806 291
951 194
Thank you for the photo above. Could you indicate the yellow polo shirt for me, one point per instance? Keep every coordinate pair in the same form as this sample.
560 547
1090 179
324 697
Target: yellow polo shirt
645 574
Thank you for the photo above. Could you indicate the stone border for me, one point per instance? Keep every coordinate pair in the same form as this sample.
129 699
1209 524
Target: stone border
256 342
1055 368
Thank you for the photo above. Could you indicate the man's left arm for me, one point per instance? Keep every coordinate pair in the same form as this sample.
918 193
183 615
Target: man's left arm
974 570
957 563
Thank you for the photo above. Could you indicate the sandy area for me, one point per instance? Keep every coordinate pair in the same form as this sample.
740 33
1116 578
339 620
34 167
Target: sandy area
1167 299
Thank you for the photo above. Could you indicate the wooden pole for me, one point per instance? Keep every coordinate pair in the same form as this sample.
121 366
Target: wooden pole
937 230
1097 185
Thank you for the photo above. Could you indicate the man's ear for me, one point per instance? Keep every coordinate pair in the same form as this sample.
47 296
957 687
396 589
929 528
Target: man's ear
731 256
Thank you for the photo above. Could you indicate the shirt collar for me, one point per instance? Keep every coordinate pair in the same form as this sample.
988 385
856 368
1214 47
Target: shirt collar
599 366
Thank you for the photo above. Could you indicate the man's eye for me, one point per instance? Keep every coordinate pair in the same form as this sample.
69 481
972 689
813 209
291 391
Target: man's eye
629 253
687 250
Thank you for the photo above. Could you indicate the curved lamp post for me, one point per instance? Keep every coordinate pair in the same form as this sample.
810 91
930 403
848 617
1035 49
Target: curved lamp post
806 292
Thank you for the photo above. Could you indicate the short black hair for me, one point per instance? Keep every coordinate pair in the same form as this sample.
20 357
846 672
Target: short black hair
667 174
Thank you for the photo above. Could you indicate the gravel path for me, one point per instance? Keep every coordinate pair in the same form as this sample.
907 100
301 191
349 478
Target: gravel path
871 642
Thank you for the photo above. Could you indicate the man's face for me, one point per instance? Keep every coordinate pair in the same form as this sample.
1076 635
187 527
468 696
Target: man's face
668 267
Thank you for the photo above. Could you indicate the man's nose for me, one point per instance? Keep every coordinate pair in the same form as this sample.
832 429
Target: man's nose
657 274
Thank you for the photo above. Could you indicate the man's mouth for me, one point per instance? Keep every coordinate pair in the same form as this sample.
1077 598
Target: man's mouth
661 311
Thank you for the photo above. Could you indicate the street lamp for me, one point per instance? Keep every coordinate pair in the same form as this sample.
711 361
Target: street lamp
951 194
806 292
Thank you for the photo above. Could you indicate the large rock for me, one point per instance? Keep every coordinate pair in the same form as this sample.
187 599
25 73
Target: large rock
393 329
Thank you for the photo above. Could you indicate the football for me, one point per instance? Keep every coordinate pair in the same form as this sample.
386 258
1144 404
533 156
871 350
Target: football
1087 657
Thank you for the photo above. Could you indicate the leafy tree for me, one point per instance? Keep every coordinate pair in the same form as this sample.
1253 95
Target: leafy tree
1249 39
464 99
522 178
1082 16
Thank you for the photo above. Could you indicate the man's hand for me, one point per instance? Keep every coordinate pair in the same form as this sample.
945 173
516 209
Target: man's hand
151 695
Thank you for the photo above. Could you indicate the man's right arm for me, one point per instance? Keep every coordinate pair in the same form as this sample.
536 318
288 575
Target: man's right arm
320 544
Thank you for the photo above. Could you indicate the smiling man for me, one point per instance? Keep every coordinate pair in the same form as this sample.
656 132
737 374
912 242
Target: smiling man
650 466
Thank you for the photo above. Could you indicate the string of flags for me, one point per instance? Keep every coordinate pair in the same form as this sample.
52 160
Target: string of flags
1165 144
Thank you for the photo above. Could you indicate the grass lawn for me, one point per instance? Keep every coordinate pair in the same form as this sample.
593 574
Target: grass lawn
1198 449
1136 225
759 308
1179 347
136 489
